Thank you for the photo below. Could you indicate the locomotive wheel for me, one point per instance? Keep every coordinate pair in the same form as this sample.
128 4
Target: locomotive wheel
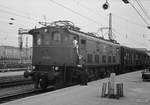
43 83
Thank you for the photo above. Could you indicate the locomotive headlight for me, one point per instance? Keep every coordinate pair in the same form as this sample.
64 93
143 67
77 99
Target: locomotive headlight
56 68
33 67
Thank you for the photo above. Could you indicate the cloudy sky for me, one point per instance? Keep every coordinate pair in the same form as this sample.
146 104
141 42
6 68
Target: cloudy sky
129 27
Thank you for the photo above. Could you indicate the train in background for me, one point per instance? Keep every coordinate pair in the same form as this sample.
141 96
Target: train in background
60 48
14 57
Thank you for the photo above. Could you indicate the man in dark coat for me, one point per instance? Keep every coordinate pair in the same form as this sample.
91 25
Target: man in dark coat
83 76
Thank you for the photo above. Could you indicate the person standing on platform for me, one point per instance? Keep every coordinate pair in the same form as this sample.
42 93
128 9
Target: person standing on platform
83 75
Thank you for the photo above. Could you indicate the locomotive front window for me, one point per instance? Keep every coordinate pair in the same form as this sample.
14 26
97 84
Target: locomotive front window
37 39
46 39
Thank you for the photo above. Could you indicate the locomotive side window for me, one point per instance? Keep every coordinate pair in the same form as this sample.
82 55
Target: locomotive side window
109 59
83 43
103 59
46 39
97 46
56 36
89 58
66 37
96 58
114 59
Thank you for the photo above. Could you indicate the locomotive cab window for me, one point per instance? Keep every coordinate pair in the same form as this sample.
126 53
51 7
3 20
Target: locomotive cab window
65 37
56 36
41 39
37 40
83 43
46 39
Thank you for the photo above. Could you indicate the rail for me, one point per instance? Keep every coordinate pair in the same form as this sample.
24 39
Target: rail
15 83
14 69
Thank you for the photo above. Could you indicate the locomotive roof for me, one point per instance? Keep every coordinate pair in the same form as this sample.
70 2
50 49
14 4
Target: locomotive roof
89 36
80 33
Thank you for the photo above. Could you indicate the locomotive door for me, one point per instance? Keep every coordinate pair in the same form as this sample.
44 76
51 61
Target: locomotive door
69 73
82 51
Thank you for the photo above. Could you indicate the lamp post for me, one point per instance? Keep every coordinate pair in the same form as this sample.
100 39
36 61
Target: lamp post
126 1
105 5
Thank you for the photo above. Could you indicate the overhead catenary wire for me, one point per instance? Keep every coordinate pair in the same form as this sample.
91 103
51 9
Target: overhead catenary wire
89 9
142 8
12 9
18 13
53 0
120 17
75 12
127 20
139 14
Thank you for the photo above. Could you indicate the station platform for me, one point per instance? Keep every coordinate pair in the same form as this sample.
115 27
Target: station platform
136 92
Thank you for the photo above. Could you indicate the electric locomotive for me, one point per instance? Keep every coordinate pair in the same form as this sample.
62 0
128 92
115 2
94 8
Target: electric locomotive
60 48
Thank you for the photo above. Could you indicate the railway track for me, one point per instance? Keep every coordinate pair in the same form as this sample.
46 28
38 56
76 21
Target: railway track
15 83
21 94
26 93
18 95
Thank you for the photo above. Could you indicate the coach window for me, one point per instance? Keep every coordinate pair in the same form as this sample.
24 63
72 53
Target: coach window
56 36
83 43
103 59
